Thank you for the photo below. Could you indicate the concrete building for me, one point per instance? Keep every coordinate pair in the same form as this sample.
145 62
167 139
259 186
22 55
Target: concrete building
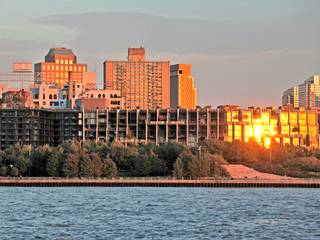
38 127
21 76
305 95
144 84
100 99
60 65
159 126
183 93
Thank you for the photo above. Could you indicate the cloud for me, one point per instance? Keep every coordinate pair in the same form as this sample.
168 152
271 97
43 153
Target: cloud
116 31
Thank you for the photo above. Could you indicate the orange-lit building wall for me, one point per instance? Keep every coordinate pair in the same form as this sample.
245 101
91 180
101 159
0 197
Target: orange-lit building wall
144 84
59 64
183 93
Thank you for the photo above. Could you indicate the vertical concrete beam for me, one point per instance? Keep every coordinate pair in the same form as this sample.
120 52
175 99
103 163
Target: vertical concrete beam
177 126
127 126
83 125
157 126
197 125
117 125
136 139
147 127
97 125
167 126
187 127
107 126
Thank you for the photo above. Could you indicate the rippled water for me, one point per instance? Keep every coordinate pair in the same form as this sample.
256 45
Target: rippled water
159 213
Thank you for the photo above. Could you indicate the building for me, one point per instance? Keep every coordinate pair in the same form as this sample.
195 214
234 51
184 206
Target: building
290 97
305 95
142 83
226 123
183 93
60 65
17 99
100 99
38 127
21 76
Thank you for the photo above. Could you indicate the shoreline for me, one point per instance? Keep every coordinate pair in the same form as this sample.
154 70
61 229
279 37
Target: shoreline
140 182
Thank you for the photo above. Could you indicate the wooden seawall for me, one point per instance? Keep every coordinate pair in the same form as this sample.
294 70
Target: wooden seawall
224 183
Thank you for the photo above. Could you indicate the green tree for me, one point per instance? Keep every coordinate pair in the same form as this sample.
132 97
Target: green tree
86 168
109 168
169 153
70 166
54 164
178 169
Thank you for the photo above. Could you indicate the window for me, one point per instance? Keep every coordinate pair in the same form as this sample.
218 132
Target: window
36 96
50 96
55 96
91 95
62 61
103 95
44 96
99 95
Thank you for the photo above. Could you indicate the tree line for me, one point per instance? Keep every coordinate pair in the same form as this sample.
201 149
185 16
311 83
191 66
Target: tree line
89 159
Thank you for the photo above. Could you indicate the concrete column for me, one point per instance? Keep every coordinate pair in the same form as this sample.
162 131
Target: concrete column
136 139
117 125
83 125
197 125
167 126
97 125
187 127
147 128
127 126
157 126
107 126
177 126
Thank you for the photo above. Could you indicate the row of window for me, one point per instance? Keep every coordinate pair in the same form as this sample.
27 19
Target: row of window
63 68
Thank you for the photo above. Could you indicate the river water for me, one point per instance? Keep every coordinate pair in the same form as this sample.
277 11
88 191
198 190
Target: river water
159 213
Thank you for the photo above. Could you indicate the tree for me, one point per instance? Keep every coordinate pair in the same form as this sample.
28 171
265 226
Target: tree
39 160
169 153
54 164
109 168
3 171
97 164
178 169
70 166
86 168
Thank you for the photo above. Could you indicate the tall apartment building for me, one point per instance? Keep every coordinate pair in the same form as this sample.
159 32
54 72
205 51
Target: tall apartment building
183 93
143 83
305 95
60 65
291 97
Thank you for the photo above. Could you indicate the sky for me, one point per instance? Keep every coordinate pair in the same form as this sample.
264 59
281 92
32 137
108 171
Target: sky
244 52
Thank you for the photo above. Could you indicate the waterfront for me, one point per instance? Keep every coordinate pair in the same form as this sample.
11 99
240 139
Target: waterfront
159 213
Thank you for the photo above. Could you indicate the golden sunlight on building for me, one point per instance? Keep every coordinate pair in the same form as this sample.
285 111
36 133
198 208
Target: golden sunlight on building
285 125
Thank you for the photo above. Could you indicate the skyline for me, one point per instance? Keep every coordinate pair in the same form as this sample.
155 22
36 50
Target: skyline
245 56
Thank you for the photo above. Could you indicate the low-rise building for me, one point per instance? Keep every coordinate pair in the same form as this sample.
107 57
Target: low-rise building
100 99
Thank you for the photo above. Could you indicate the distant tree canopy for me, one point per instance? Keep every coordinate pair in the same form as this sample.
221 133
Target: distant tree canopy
71 159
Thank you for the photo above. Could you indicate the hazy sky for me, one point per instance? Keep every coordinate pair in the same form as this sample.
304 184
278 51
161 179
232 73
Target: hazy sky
243 51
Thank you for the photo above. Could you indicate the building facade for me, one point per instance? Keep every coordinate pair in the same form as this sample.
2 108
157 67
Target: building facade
226 123
38 127
183 93
60 65
305 95
143 84
100 99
